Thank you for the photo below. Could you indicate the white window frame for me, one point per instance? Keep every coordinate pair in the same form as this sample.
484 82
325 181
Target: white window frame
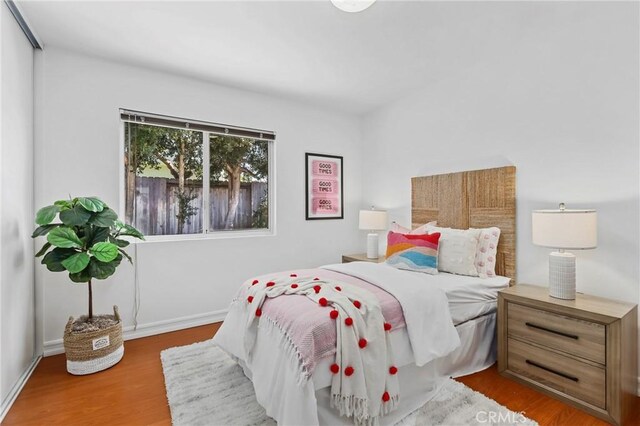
206 233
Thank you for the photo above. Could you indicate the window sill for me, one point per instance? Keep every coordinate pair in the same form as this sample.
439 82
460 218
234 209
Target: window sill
216 235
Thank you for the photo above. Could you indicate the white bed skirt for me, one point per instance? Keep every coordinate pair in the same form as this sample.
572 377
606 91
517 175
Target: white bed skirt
275 375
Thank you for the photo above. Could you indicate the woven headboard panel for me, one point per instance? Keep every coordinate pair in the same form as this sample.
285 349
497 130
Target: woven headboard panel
473 199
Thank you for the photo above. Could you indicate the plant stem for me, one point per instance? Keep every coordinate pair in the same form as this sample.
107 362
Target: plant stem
90 302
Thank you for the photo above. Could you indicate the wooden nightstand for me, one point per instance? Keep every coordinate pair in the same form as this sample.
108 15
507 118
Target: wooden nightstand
360 257
581 351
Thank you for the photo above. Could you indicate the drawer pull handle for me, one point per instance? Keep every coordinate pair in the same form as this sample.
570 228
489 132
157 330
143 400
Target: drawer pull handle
551 370
560 333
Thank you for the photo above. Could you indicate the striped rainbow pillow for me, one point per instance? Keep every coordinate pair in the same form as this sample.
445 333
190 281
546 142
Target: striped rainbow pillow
413 252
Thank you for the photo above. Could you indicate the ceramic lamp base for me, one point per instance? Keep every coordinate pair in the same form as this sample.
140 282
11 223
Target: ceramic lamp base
372 246
562 275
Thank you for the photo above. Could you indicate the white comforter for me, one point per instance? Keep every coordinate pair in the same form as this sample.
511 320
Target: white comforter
428 321
425 308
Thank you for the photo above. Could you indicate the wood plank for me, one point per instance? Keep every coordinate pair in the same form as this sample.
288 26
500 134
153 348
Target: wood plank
477 199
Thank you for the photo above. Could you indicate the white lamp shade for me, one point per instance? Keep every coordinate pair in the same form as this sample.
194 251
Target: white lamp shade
373 220
565 229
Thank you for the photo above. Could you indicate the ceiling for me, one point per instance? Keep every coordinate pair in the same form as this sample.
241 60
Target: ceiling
304 50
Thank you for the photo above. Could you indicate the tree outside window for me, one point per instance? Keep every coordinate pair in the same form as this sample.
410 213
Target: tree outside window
167 192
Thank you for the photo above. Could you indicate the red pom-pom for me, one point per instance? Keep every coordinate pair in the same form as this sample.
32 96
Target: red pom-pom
348 321
250 299
317 288
335 368
258 312
316 279
362 343
387 326
255 282
294 285
348 371
270 284
333 314
322 301
385 396
293 275
357 304
393 370
338 288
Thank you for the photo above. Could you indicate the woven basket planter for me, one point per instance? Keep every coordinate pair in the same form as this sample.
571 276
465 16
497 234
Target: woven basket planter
92 351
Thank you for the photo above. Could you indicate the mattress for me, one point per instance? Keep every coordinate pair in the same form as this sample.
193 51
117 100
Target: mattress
469 297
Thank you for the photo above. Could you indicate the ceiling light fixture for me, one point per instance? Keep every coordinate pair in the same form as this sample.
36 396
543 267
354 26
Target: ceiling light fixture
352 5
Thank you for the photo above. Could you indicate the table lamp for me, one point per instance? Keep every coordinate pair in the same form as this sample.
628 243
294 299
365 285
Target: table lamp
564 229
372 221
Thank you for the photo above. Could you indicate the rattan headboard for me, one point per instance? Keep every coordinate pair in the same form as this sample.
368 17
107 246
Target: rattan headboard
472 199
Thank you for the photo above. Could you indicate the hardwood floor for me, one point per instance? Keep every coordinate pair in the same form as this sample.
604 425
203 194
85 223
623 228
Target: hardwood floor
132 392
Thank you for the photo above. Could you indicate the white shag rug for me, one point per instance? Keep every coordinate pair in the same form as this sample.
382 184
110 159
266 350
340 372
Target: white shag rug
206 387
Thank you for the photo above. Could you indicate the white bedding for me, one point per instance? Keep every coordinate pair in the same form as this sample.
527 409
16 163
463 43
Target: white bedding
290 401
426 314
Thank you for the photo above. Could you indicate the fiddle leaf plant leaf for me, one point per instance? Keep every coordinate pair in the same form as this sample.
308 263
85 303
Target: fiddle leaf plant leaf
76 216
102 270
105 218
76 263
44 230
64 237
128 230
44 249
104 251
91 204
63 204
46 214
83 276
124 253
53 259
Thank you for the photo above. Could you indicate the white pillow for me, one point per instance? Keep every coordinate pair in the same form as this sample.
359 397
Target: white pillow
457 250
487 252
421 230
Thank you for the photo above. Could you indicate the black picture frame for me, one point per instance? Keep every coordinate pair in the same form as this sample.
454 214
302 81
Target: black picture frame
324 186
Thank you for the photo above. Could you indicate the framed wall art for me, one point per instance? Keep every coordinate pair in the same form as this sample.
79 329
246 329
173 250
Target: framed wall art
324 196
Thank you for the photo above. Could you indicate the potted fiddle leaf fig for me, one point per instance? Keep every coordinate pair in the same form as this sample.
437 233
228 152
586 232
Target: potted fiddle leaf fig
87 243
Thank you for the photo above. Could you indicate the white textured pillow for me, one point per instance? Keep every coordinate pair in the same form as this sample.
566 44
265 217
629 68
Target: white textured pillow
487 252
457 250
418 231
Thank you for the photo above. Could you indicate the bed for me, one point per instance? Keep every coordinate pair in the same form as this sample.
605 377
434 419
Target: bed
295 393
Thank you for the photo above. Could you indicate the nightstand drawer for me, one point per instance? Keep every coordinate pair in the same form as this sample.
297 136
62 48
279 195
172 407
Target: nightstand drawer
567 375
585 339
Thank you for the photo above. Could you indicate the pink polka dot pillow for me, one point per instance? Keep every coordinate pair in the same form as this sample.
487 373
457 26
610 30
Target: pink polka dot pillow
487 251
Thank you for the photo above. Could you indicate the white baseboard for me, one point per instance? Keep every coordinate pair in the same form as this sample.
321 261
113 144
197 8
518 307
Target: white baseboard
54 347
15 391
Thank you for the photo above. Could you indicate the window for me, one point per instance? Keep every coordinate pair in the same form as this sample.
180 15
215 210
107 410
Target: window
189 177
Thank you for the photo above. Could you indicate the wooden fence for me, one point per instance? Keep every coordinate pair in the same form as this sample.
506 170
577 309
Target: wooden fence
156 206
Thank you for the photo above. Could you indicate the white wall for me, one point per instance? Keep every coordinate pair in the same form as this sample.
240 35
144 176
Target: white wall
561 104
78 153
16 206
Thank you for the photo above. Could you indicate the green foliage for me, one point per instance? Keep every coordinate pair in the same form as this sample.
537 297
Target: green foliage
185 209
87 243
104 251
231 152
179 150
154 145
260 217
46 214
